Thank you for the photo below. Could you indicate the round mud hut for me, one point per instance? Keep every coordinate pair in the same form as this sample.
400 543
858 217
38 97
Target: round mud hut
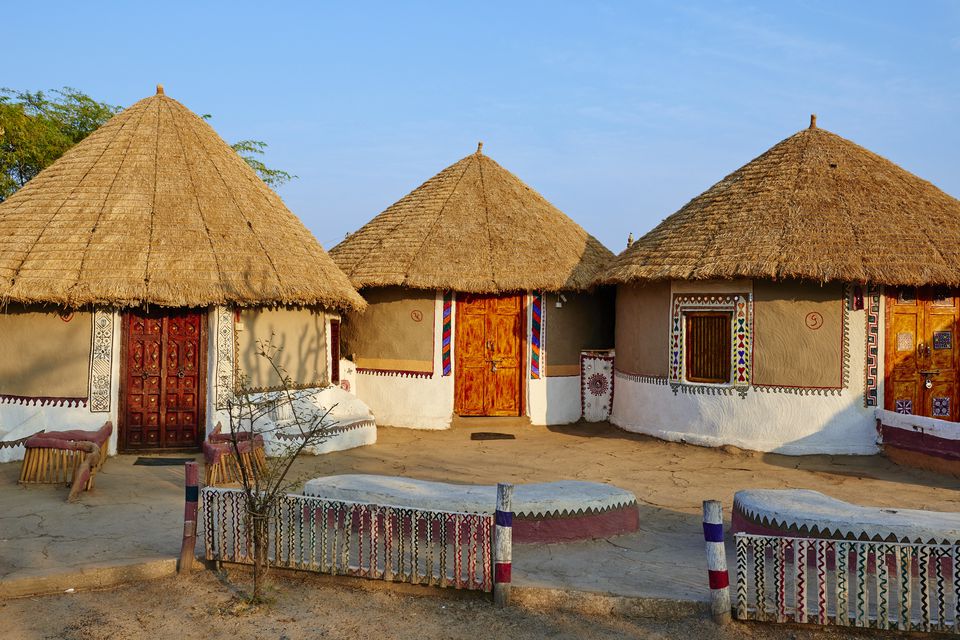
137 274
480 302
777 310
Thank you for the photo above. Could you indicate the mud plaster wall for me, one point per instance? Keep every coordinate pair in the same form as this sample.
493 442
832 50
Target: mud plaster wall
44 354
19 420
643 328
395 333
299 334
417 402
584 321
798 334
788 423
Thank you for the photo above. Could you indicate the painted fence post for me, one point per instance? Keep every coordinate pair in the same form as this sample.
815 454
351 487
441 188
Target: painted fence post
192 494
503 544
716 561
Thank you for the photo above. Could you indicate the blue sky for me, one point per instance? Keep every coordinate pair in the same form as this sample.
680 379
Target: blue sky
618 113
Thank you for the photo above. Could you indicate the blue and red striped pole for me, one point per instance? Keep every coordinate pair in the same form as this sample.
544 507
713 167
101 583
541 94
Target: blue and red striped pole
503 545
191 496
716 561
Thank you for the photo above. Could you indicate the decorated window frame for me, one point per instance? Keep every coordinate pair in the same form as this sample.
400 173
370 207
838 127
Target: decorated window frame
739 306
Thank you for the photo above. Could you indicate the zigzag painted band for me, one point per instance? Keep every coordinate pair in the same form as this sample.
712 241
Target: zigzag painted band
447 331
399 374
535 335
55 402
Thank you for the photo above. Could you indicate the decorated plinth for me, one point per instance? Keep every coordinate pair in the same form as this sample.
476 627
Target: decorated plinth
917 441
562 511
801 513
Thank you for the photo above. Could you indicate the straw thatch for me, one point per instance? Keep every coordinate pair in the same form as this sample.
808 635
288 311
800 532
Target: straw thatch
155 208
815 206
473 227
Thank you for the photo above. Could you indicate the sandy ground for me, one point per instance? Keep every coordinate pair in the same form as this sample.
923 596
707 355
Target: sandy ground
201 606
135 512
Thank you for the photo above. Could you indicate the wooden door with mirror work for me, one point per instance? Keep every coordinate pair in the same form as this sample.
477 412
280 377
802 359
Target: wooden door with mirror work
922 355
488 379
163 380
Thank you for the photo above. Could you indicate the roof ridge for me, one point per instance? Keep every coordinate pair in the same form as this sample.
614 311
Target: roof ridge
426 236
106 196
233 198
486 211
206 227
153 203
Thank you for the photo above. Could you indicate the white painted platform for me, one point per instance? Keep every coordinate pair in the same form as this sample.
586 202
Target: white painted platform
810 511
565 497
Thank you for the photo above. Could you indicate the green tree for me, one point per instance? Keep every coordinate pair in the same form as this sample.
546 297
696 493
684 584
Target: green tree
250 151
36 128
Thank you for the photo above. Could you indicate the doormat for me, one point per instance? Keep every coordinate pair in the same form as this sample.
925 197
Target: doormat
162 462
489 435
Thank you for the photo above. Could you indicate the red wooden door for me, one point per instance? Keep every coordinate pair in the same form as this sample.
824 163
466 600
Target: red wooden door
489 355
922 355
163 380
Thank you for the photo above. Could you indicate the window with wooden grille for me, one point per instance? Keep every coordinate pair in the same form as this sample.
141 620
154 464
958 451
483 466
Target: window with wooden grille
708 347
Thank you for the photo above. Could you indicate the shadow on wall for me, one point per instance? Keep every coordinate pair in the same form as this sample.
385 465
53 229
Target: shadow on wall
583 321
298 335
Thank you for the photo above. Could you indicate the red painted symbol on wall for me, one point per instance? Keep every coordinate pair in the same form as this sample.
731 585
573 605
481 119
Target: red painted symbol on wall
66 316
814 320
416 315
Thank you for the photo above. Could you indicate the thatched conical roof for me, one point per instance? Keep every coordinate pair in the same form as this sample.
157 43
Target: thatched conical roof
155 208
815 206
473 227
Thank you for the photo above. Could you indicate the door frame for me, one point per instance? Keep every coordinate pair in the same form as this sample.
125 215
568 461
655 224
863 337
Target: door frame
525 307
202 391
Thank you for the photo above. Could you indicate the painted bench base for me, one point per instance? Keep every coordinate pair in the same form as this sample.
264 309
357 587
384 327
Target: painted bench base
563 511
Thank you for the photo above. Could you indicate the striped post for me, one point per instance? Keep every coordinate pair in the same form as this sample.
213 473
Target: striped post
192 493
716 561
503 545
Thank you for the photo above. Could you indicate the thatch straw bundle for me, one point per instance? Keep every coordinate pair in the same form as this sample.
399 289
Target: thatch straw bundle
473 227
815 206
155 208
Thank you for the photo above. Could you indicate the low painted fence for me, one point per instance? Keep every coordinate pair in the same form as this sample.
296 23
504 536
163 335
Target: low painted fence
878 585
441 548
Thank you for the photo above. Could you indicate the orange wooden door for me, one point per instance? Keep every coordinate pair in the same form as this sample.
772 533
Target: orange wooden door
163 380
489 355
922 355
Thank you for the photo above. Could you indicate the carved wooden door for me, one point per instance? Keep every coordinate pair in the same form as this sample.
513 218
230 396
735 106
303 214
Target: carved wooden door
489 355
163 380
922 355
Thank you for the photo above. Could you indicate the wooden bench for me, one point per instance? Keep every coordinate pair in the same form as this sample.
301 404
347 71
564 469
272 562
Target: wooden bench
221 463
54 457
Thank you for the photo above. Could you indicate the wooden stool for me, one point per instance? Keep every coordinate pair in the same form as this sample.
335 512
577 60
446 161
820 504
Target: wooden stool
221 463
53 457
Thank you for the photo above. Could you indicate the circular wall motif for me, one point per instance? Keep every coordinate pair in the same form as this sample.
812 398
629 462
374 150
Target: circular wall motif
597 383
814 320
416 315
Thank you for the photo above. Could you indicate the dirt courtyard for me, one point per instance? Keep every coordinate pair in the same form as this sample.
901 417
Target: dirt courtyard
663 475
135 514
201 606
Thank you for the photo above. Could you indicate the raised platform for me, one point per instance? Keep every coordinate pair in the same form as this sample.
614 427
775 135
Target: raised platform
810 514
561 511
917 441
353 424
